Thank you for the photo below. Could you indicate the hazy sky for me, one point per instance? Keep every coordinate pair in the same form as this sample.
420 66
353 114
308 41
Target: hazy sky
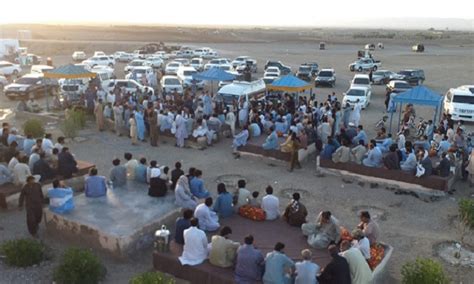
239 12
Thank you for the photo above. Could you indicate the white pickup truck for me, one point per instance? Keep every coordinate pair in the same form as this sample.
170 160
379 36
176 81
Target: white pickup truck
365 64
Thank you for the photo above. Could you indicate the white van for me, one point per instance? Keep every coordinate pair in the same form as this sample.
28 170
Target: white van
459 102
238 89
39 69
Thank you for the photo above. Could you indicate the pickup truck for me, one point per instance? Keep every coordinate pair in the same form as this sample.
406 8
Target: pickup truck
365 64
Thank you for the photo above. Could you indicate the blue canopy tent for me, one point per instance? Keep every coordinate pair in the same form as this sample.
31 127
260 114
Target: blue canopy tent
213 74
419 95
289 83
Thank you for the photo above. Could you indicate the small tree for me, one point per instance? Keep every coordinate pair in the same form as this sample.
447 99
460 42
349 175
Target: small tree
23 252
154 277
79 266
423 271
33 127
75 120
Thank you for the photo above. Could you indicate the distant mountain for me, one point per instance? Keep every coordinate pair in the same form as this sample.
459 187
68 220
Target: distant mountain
410 23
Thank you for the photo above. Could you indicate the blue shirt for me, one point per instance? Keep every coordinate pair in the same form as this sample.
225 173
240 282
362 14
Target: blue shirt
327 151
306 272
95 186
360 136
118 175
276 264
181 225
27 145
249 264
196 185
223 205
140 173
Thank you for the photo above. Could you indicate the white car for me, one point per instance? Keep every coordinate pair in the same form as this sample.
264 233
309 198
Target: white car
40 69
381 77
269 77
216 63
197 63
99 60
183 61
241 60
79 56
138 72
140 54
170 84
173 67
154 62
185 74
162 54
357 93
135 63
8 68
129 85
274 71
3 82
459 103
361 80
99 53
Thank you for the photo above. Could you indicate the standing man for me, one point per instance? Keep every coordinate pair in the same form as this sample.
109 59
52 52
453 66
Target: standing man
32 195
118 118
99 115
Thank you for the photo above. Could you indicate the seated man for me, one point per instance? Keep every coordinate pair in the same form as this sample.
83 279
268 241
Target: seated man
140 171
271 143
271 204
325 231
5 175
182 223
306 271
342 154
391 160
223 250
374 156
195 249
358 153
118 174
240 140
196 185
361 242
336 271
409 165
329 149
130 165
61 198
249 264
208 219
425 162
277 266
359 268
360 136
386 143
67 165
444 167
369 227
203 131
42 168
94 185
295 212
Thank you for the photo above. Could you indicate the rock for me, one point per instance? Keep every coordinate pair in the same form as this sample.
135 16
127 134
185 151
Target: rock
374 185
79 139
361 183
347 180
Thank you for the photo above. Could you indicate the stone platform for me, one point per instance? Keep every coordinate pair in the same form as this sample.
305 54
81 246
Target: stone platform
121 223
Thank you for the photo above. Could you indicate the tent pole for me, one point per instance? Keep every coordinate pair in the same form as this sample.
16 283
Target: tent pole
399 116
435 114
391 118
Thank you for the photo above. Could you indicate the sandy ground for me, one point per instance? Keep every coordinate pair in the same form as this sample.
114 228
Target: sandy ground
410 225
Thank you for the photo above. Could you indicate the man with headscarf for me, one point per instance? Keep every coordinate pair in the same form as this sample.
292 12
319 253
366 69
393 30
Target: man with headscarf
295 213
183 196
359 269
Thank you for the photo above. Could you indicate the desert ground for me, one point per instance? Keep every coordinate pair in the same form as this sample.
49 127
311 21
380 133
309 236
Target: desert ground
412 226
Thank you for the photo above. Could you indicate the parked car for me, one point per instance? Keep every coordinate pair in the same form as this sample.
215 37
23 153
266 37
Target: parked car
251 63
254 90
79 55
370 46
99 60
381 77
361 80
216 63
40 69
73 89
459 102
270 77
418 47
30 86
8 68
322 45
162 54
28 59
185 53
239 61
314 68
365 64
99 53
124 57
185 75
272 70
183 61
413 76
129 85
140 54
138 72
304 72
171 84
361 93
133 64
197 63
398 86
285 70
172 67
205 52
325 77
3 82
155 62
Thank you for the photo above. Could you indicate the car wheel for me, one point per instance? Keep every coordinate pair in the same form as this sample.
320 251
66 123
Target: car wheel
359 69
374 68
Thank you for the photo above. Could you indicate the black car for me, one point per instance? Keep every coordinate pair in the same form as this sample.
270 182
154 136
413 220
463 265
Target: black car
29 86
326 77
413 76
285 70
304 72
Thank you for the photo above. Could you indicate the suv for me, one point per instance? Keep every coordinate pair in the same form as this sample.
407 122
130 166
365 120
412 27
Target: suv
304 72
79 56
398 86
129 85
99 61
413 76
30 85
325 77
285 70
8 68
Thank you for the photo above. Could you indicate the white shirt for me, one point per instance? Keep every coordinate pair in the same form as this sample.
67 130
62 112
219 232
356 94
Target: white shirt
131 165
33 159
47 146
208 220
364 246
12 164
271 206
195 247
20 173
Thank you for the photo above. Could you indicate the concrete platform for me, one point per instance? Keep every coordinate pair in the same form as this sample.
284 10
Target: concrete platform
254 148
121 223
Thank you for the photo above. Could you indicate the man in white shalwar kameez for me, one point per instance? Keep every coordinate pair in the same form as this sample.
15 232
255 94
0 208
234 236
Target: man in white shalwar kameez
195 249
47 145
208 219
243 114
360 270
355 115
181 132
230 120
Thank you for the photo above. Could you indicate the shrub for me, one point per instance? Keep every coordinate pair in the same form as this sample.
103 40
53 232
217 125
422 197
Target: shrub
33 127
79 266
423 271
75 120
466 212
152 278
23 252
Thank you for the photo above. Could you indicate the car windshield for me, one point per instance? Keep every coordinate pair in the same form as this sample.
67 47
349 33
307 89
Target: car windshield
356 93
139 71
27 81
195 61
173 65
73 82
172 81
463 99
189 72
271 75
402 85
214 61
305 69
227 68
381 73
361 81
325 74
136 63
272 69
406 73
